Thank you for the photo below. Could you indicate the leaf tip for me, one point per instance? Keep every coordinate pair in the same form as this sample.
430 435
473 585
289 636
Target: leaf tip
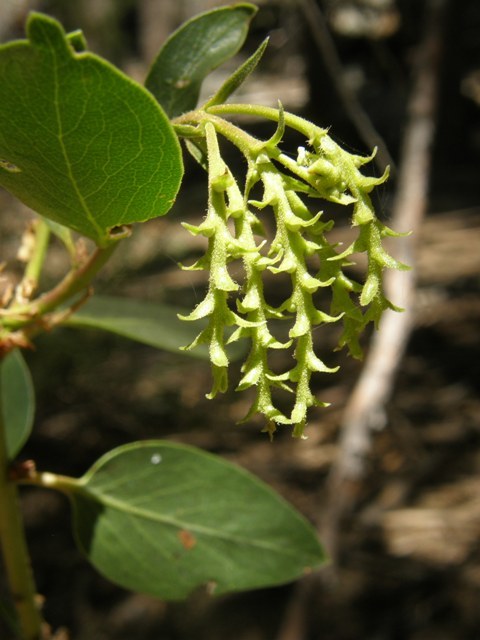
46 32
248 7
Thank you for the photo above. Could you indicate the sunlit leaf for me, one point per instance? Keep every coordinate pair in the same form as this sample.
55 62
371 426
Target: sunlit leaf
238 77
80 142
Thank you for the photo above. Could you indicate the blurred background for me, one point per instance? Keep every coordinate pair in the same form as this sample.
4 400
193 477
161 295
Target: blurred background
403 527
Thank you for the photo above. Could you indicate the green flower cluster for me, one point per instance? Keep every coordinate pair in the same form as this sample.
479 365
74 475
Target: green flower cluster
234 231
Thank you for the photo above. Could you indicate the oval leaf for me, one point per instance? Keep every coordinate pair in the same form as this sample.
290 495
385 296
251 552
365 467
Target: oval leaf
193 51
163 518
81 143
17 401
150 323
156 325
238 77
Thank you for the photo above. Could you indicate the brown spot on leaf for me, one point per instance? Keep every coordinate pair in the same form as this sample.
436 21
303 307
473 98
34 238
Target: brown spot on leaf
187 539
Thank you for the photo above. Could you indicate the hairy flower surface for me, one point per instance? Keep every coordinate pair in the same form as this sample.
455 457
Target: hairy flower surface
233 227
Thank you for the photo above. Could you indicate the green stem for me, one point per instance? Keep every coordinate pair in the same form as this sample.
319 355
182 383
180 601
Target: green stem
270 113
35 264
76 281
48 480
15 551
246 143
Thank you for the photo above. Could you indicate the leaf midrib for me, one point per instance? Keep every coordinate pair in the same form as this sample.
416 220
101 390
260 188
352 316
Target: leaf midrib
66 158
124 507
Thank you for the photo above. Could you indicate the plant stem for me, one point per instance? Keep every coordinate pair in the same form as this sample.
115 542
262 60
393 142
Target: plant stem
66 484
270 113
15 551
247 144
76 281
240 138
35 264
39 231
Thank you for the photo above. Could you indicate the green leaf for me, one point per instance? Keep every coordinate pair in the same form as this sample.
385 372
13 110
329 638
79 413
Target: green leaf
150 323
163 518
198 151
193 51
156 325
17 401
238 77
81 143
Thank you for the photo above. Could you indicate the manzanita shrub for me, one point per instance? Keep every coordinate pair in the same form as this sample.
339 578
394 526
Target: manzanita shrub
92 153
